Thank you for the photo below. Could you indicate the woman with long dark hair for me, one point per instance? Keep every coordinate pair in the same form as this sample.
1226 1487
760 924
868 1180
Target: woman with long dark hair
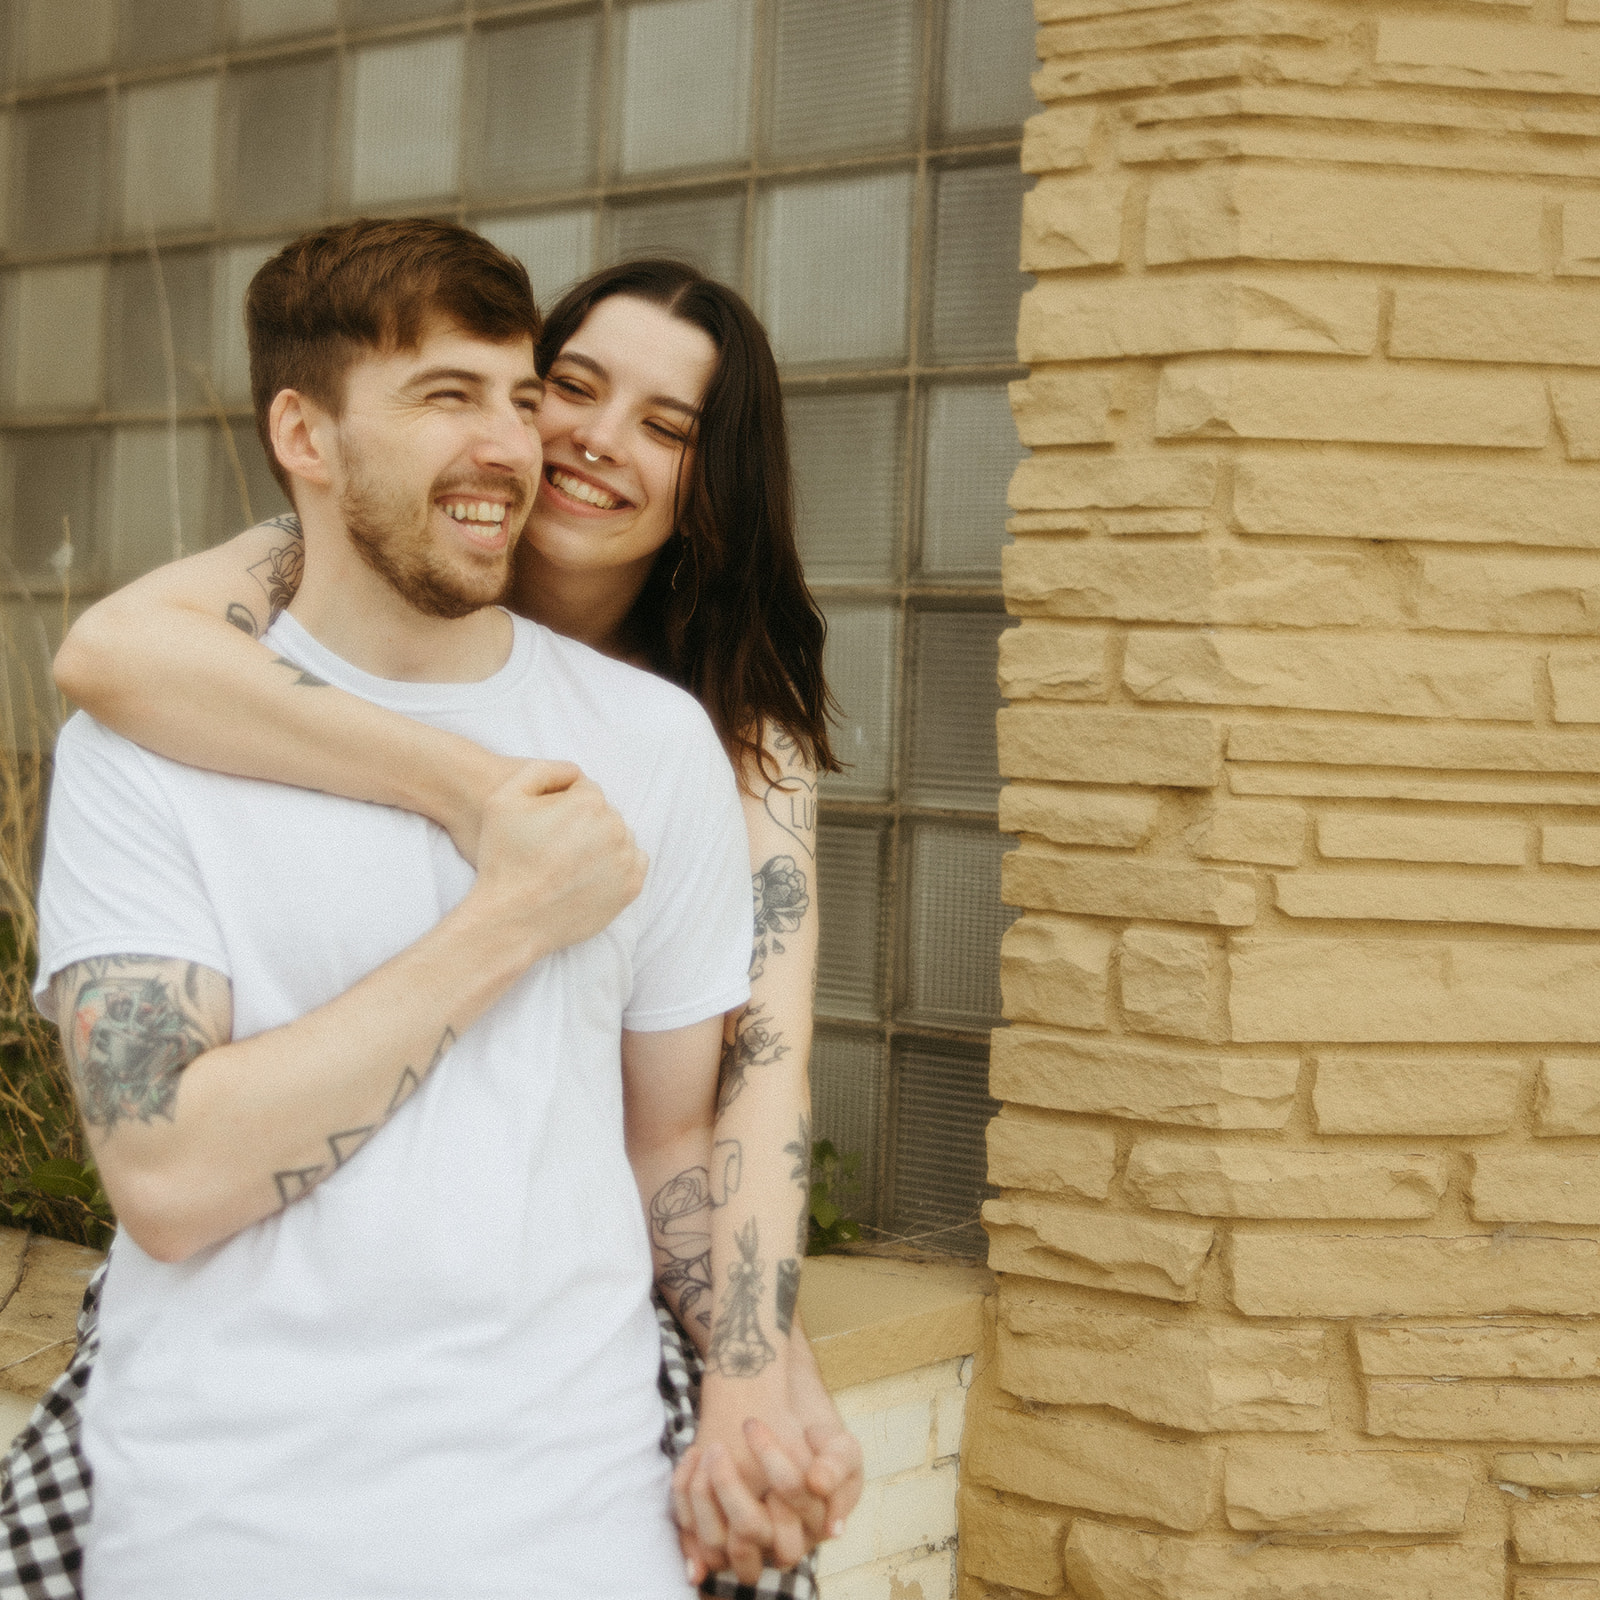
662 534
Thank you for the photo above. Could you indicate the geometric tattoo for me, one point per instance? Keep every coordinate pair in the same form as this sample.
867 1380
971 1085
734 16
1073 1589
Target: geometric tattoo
129 1037
295 1183
739 1347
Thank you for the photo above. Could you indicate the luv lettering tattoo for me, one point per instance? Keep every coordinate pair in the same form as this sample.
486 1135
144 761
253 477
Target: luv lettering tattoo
739 1346
792 804
134 1023
781 901
294 1183
680 1228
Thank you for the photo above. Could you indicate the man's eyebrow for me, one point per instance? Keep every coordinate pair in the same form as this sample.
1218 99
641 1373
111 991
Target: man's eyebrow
466 375
589 364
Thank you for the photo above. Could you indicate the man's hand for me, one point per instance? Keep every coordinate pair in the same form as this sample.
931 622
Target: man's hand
554 857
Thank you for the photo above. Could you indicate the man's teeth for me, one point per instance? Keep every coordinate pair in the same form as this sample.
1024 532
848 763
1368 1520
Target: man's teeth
579 490
474 510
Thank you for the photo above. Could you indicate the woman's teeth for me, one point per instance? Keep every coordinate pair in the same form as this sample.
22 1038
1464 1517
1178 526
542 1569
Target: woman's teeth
579 490
480 511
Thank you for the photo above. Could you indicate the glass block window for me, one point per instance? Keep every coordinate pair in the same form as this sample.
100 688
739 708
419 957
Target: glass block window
850 165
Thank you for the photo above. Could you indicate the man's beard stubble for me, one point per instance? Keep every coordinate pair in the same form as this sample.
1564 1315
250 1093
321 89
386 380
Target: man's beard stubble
403 558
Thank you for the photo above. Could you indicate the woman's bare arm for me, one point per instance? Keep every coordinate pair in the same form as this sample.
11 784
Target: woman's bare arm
172 662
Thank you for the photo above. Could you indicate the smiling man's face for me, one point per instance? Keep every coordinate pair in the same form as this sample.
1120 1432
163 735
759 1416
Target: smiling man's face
438 463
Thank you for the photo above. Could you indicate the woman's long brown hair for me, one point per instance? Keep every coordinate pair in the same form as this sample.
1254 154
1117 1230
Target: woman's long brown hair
725 611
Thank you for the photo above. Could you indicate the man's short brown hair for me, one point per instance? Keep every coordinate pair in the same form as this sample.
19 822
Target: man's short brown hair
332 296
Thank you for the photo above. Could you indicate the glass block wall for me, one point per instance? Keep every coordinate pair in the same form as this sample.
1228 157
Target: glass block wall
851 165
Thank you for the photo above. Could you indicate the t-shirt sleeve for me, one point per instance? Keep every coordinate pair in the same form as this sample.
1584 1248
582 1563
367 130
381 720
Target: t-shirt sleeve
119 877
693 956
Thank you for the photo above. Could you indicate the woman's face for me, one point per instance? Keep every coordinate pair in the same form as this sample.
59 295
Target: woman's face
618 421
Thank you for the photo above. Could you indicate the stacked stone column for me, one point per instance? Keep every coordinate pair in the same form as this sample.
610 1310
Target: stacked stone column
1298 1237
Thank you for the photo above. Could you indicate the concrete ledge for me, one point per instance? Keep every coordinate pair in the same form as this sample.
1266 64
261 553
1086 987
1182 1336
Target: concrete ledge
869 1317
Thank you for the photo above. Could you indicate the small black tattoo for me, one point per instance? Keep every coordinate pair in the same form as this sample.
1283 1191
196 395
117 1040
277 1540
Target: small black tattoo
279 572
680 1227
296 1182
788 1293
244 619
781 903
128 1039
309 679
739 1348
800 1148
753 1045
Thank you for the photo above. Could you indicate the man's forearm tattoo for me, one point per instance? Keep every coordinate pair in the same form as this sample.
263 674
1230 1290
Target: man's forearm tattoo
294 1183
781 899
753 1044
301 678
739 1346
129 1031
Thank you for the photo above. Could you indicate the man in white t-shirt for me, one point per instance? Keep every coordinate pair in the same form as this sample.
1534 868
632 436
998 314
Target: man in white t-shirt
428 1372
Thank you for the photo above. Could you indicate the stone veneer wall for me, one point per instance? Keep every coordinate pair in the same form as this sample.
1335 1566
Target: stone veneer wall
1299 1231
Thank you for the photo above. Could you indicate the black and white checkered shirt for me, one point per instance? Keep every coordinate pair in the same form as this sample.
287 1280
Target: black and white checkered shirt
45 1482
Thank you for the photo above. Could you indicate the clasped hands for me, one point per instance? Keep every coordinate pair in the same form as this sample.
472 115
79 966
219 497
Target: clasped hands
749 1492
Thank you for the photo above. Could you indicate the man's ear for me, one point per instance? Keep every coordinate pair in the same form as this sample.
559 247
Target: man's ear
302 436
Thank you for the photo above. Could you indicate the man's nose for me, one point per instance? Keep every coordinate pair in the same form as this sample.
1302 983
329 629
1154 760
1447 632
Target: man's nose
510 440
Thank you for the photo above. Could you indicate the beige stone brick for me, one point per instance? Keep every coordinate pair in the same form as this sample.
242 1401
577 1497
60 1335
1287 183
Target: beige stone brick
1141 1082
1079 482
1512 899
1486 55
1565 1471
1567 1102
1109 747
1100 1249
1494 1413
1068 10
1560 1588
1536 1186
1575 399
1106 318
1055 970
1575 681
1252 1180
1072 222
1510 594
1107 1563
1303 214
1415 1096
1551 324
1548 1531
1007 1544
1058 139
1471 789
1140 29
1178 1374
1100 886
1350 400
1063 406
1405 836
1074 816
1273 836
1376 991
1273 588
1580 230
1360 499
1093 1465
1395 676
1328 1275
1170 982
1039 661
1505 1350
1346 1491
1372 745
1034 1150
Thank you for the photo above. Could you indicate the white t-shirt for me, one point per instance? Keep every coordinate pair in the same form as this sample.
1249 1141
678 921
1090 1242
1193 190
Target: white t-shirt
433 1378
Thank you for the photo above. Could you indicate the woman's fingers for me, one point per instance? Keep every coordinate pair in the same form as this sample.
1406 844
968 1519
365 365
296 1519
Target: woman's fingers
709 1525
835 1474
789 1538
682 1475
788 1482
742 1513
